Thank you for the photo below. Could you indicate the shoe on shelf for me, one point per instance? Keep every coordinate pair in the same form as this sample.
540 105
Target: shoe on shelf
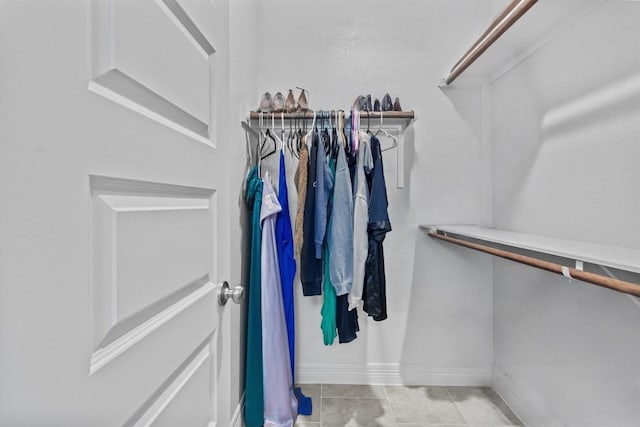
290 103
376 105
303 103
387 104
367 103
265 103
277 104
396 105
358 103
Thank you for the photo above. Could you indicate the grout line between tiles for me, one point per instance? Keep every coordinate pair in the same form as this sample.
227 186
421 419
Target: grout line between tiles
386 395
355 397
456 405
321 405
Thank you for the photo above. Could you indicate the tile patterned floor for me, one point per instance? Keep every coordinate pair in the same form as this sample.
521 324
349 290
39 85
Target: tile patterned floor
405 406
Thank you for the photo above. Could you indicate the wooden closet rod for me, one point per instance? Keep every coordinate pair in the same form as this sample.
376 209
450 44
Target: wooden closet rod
596 279
502 23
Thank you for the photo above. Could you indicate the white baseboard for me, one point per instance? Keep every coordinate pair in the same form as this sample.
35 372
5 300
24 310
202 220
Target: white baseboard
392 373
529 407
236 420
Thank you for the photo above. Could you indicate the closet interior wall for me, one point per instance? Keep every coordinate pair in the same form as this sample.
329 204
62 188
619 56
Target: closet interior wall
439 329
567 165
243 61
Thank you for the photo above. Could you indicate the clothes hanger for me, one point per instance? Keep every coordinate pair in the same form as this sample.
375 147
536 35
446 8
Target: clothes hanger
290 138
343 135
268 137
395 140
310 131
259 145
278 140
334 134
282 131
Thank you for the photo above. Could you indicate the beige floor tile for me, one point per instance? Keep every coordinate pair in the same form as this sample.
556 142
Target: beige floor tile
431 425
423 405
481 406
351 390
312 391
356 412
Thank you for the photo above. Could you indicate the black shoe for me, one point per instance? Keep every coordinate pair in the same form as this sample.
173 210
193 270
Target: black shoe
387 104
367 104
376 105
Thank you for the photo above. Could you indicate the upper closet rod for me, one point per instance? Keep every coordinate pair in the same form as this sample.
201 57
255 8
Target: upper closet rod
502 23
585 276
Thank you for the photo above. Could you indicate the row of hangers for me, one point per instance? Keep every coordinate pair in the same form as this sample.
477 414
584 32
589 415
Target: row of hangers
269 142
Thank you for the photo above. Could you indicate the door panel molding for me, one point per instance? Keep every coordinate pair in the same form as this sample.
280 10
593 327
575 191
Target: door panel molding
145 235
171 387
101 184
130 337
126 91
176 13
131 68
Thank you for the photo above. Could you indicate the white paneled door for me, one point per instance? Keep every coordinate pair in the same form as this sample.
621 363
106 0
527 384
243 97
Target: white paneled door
114 212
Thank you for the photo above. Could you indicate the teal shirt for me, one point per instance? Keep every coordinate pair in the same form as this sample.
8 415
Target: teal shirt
328 311
254 392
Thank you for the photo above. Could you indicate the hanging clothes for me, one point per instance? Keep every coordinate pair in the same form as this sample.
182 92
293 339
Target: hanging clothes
287 264
254 392
340 243
324 186
374 293
340 233
286 259
301 186
360 219
291 172
280 403
310 266
328 311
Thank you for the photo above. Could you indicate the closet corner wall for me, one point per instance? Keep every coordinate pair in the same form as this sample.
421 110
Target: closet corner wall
565 159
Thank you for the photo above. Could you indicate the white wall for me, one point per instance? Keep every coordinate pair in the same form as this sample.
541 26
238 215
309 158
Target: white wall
439 297
567 164
243 18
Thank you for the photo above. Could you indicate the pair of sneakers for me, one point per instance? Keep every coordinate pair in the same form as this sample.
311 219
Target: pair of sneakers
278 104
363 103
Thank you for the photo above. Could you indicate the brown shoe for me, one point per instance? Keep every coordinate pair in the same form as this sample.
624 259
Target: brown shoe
303 104
290 103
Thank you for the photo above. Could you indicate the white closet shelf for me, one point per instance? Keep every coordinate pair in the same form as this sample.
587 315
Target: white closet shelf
604 255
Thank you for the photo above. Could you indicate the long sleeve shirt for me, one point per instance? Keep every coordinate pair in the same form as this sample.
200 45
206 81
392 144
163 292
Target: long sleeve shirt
280 403
340 234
